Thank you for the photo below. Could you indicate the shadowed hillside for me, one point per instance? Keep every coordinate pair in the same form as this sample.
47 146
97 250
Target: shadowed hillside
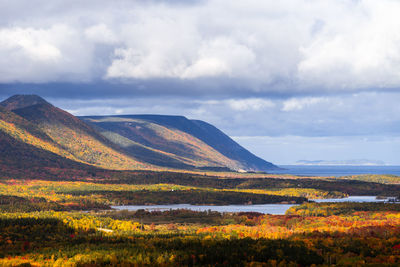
156 140
22 101
153 130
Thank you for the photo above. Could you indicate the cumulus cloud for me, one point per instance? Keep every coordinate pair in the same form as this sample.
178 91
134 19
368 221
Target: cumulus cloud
287 46
291 71
360 51
43 54
100 33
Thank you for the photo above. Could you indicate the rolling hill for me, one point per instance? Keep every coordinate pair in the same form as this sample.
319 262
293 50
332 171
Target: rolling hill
130 142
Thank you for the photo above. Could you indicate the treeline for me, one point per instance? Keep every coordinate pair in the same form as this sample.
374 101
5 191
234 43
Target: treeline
87 196
191 196
375 178
21 204
343 208
349 187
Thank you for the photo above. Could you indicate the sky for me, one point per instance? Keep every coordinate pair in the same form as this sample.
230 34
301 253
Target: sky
289 80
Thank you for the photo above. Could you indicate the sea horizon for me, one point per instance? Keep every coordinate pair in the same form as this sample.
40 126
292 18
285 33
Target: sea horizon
337 170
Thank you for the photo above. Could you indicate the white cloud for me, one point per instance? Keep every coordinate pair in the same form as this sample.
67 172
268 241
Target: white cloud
300 103
291 45
43 54
205 67
359 50
220 56
250 104
100 33
30 43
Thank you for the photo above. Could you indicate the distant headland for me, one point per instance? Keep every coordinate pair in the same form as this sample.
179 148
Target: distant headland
352 162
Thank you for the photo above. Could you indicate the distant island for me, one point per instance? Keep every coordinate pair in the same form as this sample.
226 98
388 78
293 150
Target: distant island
352 162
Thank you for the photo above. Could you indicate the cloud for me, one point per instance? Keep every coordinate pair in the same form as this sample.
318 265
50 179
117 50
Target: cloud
250 104
358 52
217 57
306 68
31 43
271 47
100 33
300 103
365 114
43 55
362 125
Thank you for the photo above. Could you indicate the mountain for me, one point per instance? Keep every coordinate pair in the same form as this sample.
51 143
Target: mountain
160 144
27 152
45 133
74 138
22 101
353 162
191 141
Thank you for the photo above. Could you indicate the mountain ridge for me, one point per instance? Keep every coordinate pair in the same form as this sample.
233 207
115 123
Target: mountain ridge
203 131
22 101
125 142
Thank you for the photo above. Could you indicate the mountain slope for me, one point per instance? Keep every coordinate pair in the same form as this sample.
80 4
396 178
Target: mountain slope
22 101
26 151
154 131
129 142
228 147
74 136
24 131
171 143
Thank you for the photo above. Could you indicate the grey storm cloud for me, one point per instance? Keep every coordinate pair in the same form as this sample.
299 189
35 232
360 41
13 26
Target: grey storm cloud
289 46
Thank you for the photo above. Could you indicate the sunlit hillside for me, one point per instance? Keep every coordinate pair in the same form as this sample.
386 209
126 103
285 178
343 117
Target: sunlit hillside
25 149
157 140
49 128
130 142
79 139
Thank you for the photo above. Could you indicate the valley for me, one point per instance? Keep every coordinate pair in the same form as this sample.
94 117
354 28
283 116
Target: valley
61 176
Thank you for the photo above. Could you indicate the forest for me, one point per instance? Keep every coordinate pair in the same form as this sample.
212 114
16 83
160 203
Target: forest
71 223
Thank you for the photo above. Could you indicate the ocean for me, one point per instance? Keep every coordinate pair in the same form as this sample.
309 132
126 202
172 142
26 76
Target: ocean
308 170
